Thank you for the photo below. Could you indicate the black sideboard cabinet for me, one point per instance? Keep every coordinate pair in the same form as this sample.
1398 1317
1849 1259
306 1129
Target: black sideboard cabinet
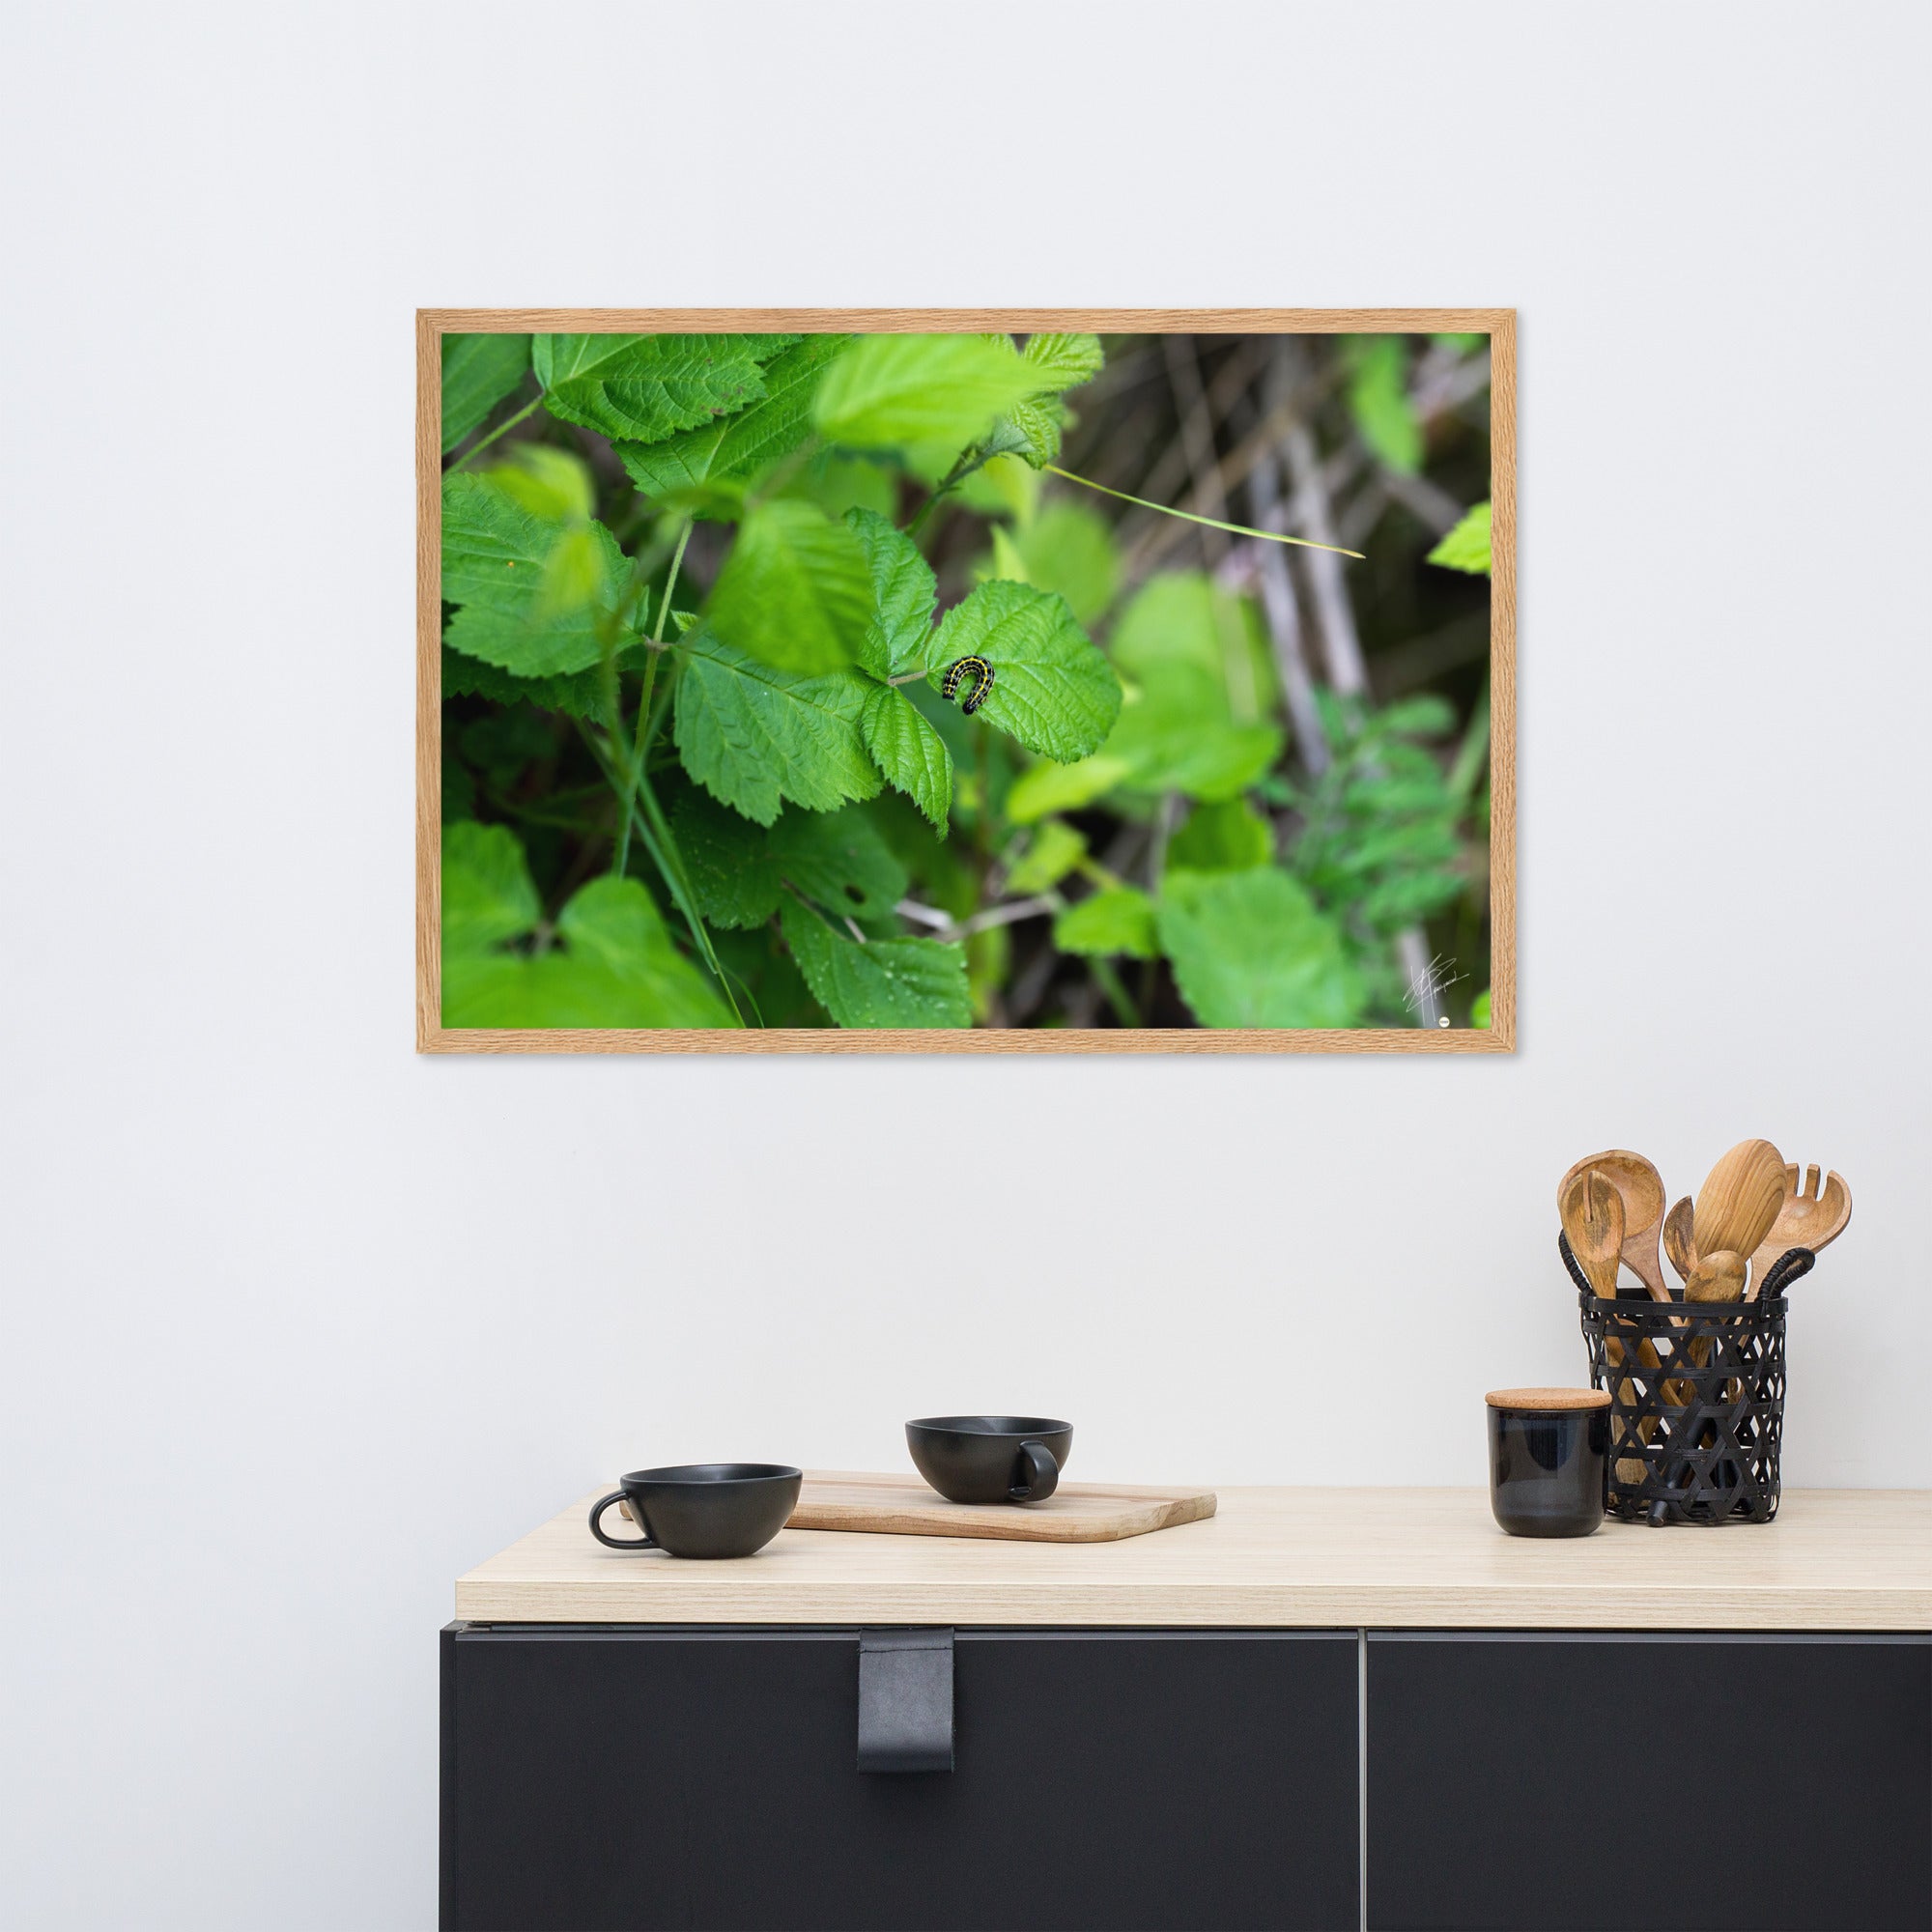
600 1778
604 1778
1569 1781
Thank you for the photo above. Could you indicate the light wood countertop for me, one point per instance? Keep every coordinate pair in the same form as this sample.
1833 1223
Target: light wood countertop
1834 1559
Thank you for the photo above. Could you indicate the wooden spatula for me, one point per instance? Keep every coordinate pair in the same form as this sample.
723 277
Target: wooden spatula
1739 1199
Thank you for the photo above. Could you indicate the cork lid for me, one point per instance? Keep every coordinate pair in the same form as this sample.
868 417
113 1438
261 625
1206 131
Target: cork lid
1548 1401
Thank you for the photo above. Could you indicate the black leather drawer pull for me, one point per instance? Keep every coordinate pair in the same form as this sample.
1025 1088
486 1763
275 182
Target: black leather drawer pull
905 1700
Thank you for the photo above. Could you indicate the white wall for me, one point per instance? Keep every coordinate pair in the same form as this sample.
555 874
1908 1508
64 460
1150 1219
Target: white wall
298 1325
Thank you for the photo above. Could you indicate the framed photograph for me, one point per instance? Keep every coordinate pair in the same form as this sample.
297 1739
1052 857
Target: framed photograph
966 681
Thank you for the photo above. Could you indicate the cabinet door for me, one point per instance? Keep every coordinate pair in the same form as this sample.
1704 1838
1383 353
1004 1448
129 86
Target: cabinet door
1620 1782
603 1778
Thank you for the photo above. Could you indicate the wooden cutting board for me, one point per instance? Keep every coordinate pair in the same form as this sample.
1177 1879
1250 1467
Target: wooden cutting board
1075 1513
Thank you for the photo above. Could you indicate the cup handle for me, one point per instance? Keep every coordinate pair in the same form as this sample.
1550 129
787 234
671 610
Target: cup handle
1041 1475
597 1510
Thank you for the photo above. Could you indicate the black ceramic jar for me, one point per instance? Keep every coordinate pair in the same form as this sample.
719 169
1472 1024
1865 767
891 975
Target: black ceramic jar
1548 1457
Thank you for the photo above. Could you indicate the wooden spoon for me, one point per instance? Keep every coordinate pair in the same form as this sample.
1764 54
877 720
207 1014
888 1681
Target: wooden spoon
1809 1216
1642 1190
1739 1199
1719 1277
1593 1218
1680 1237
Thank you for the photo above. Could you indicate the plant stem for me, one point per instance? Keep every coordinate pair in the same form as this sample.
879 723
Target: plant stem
1165 813
501 429
969 459
1474 750
654 829
1118 997
1188 516
671 581
646 723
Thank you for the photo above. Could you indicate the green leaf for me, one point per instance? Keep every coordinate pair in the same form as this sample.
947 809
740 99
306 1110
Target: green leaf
1046 788
1467 545
1250 950
549 483
1007 562
478 371
505 992
943 874
1229 836
494 557
578 693
502 745
733 876
621 969
839 859
1051 690
889 392
1202 648
736 447
753 736
1070 549
487 893
1405 898
884 983
1057 847
1202 686
838 483
772 984
614 923
1118 920
904 595
1065 362
1479 1011
1379 401
1210 762
643 388
909 751
1031 429
573 575
1426 714
795 592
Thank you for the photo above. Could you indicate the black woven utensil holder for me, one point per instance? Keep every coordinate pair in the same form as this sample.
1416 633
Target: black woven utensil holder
1697 1398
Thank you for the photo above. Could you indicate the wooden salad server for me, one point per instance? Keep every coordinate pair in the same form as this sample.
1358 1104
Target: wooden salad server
1809 1216
1641 1187
1592 1213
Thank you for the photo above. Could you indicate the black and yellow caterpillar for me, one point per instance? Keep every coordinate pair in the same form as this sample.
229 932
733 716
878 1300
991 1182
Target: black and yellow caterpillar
983 682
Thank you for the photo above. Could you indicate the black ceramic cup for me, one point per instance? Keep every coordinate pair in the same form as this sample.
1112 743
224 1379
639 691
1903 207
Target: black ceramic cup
702 1509
1549 1458
990 1459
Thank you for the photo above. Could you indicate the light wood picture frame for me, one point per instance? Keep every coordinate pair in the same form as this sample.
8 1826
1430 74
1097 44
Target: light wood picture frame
1498 324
